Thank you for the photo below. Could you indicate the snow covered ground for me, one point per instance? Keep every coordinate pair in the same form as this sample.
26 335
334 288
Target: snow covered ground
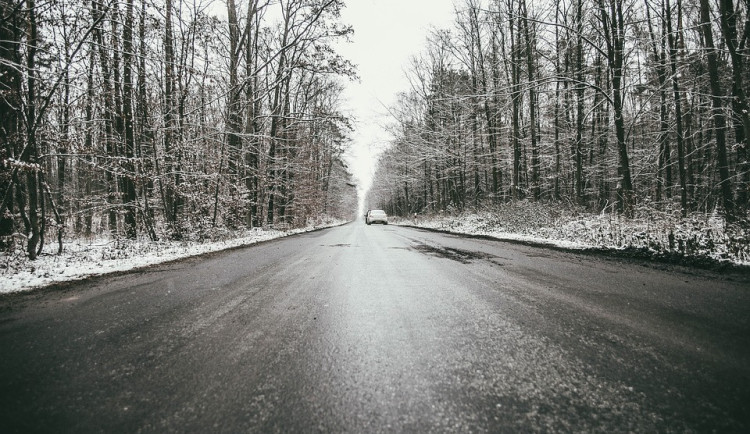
696 239
85 258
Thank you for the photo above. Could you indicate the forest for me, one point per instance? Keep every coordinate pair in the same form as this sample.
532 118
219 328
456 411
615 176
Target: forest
607 106
171 119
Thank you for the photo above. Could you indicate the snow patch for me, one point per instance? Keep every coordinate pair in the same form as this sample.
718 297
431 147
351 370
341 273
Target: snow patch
86 258
650 231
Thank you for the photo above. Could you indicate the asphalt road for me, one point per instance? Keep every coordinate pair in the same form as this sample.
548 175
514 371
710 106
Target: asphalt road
381 329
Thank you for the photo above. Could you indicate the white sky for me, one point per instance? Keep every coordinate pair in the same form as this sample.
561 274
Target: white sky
387 34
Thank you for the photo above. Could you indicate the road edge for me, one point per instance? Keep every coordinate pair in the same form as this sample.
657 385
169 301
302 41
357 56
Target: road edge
642 255
65 285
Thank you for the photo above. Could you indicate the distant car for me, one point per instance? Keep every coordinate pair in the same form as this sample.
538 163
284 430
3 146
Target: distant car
376 216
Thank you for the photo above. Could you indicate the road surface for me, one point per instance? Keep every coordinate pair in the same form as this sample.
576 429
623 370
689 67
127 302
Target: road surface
381 329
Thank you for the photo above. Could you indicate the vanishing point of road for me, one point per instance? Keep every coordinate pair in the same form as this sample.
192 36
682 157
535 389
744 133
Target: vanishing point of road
381 329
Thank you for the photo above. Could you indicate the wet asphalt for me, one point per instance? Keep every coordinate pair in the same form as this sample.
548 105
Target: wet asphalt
381 329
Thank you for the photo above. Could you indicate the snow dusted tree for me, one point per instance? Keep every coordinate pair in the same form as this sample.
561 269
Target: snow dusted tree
121 118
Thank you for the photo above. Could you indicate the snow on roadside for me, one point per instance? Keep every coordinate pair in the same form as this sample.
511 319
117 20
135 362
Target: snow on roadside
654 233
83 258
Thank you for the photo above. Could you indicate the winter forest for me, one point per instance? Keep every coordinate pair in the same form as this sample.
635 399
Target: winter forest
606 105
178 119
135 117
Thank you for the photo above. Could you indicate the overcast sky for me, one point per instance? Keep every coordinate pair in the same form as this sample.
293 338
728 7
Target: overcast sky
387 34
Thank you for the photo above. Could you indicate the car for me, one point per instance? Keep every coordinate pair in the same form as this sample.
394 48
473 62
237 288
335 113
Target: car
376 216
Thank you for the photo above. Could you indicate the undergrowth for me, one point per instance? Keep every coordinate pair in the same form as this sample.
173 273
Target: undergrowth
651 231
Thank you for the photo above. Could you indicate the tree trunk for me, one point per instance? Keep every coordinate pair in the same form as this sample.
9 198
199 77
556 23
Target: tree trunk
145 134
678 110
233 111
10 115
128 180
717 94
740 106
614 32
63 143
531 71
516 103
277 120
252 129
30 155
580 114
169 186
489 116
108 100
